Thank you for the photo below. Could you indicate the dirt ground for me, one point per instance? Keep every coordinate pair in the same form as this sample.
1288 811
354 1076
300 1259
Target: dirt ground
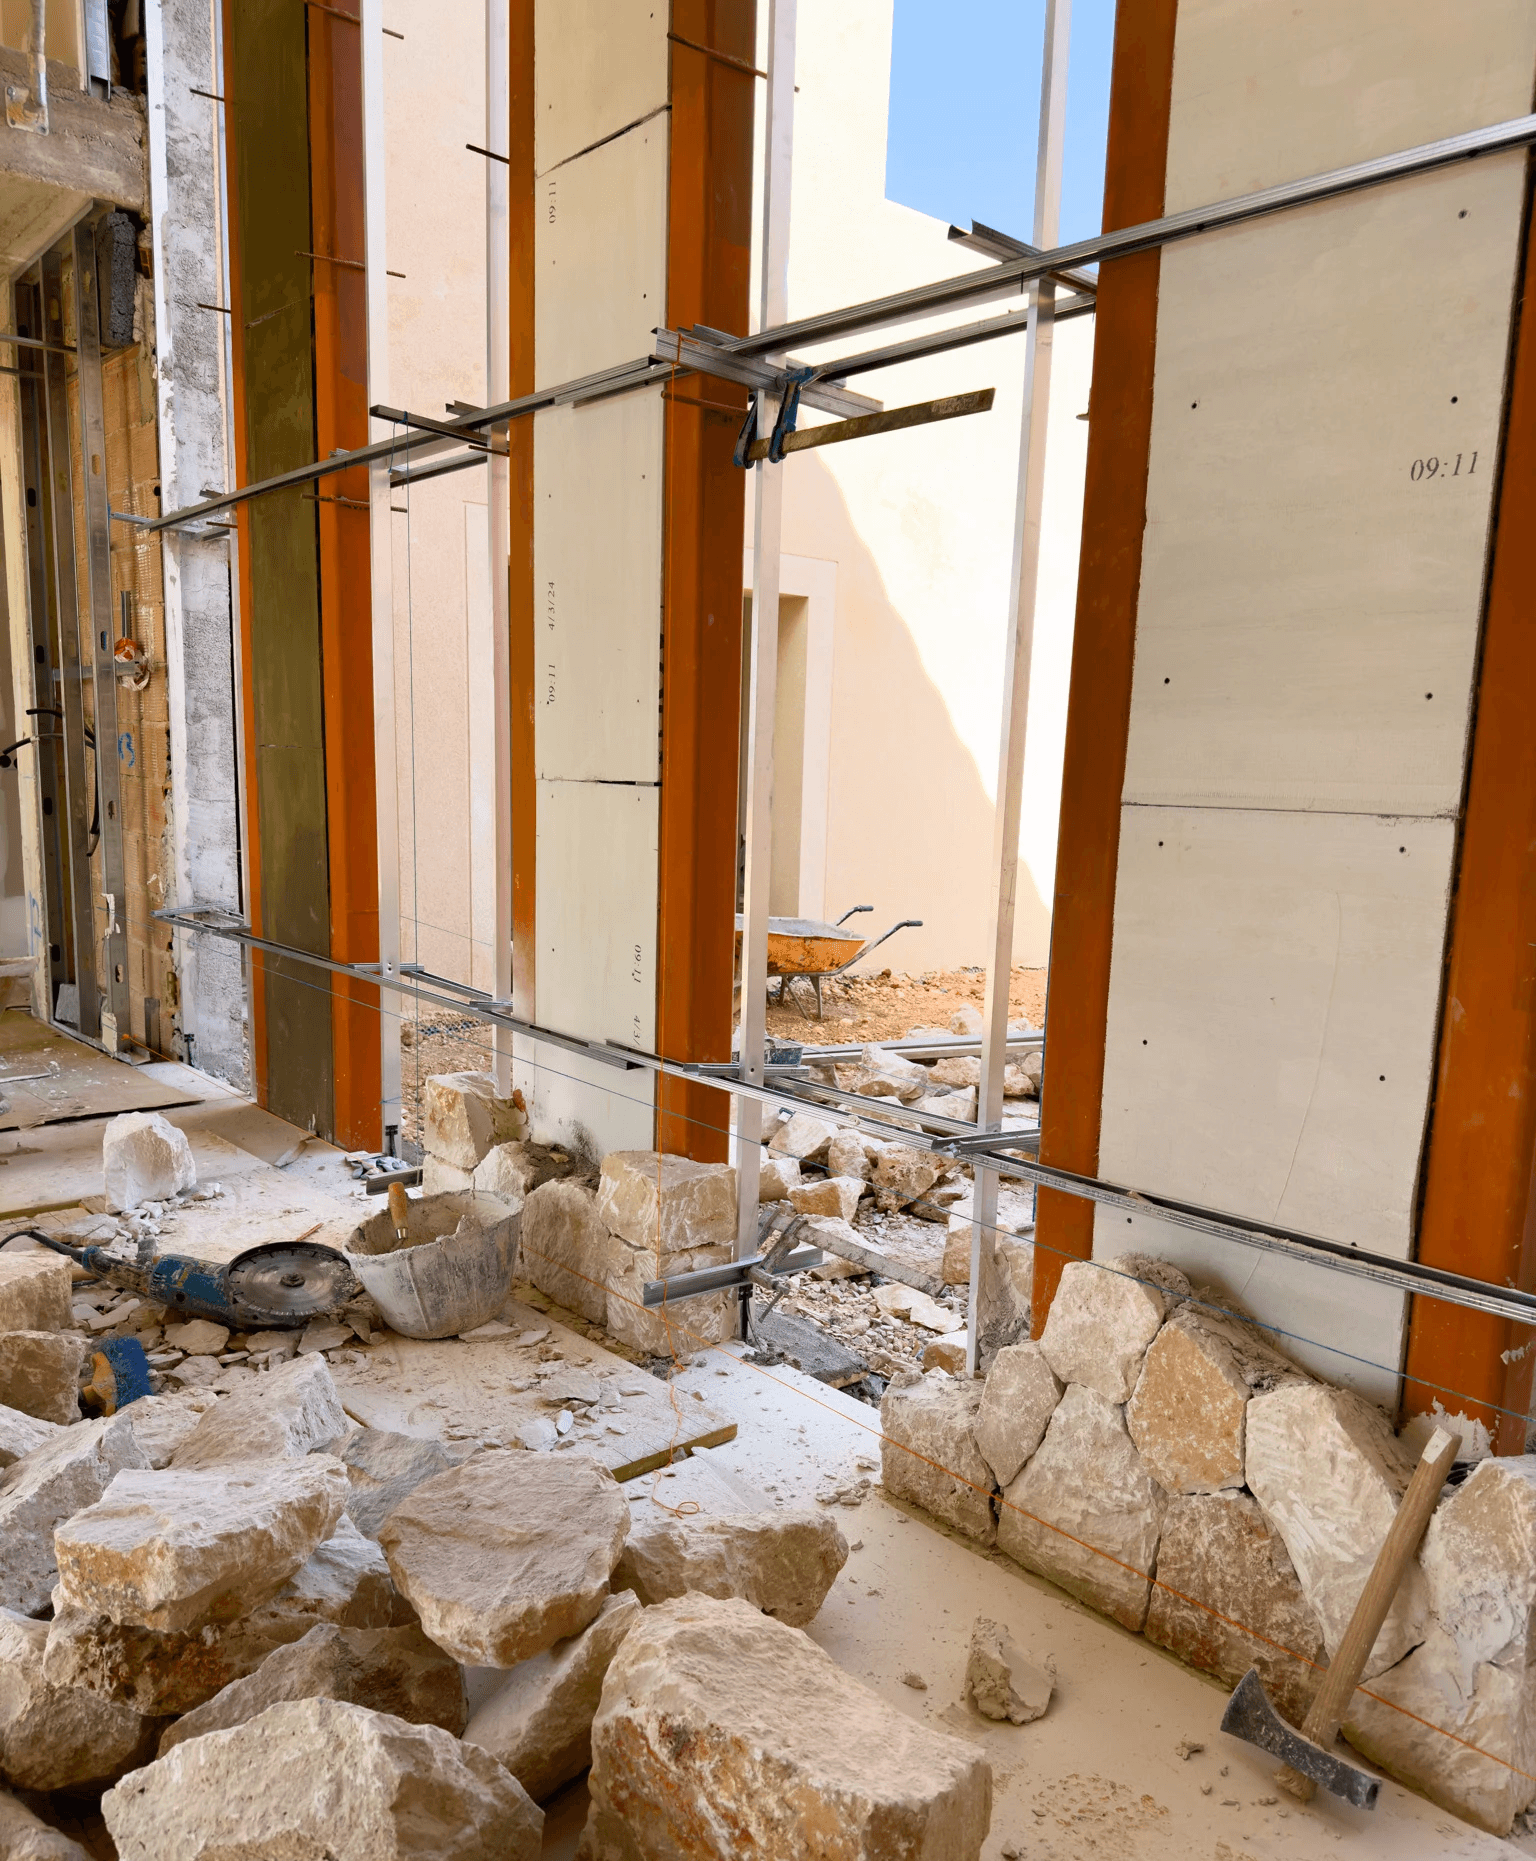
447 1044
888 1005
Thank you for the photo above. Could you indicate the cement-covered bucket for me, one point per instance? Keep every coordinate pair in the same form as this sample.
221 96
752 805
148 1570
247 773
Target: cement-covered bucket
451 1272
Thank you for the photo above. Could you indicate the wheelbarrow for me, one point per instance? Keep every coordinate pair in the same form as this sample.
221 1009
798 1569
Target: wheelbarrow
802 948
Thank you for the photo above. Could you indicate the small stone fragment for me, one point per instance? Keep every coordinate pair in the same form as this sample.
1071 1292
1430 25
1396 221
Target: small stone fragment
322 1778
69 1471
1001 1680
319 1336
947 1353
837 1196
847 1155
145 1159
20 1433
1017 1403
40 1373
804 1138
199 1337
902 1175
59 1738
35 1292
776 1177
928 1456
1103 1317
285 1415
1188 1748
783 1562
24 1838
916 1681
463 1118
514 1170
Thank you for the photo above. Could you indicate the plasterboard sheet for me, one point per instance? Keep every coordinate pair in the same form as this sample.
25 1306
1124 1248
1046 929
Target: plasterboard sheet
598 67
1265 93
596 910
1320 492
1347 1331
583 1104
1273 998
597 575
600 248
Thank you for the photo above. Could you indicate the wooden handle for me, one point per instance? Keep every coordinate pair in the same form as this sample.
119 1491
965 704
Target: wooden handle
399 1207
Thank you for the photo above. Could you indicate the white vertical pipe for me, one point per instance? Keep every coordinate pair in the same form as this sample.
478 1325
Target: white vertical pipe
768 493
498 374
992 1316
381 559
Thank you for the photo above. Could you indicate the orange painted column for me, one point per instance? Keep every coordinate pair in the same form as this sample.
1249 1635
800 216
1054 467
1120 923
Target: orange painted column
521 604
708 281
1104 642
1479 1207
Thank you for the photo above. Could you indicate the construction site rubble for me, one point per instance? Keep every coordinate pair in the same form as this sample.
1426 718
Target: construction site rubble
383 1468
35 1292
60 1738
1001 1681
929 1456
666 1215
20 1433
43 1488
782 1562
40 1373
284 1415
25 1837
464 1119
145 1159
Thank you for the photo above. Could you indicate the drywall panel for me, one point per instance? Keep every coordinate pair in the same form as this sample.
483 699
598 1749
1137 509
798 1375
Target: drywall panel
590 1107
598 67
597 538
1319 498
1273 1002
596 910
480 710
600 248
1265 93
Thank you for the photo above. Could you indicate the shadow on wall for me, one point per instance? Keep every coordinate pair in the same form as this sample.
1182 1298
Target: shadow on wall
909 821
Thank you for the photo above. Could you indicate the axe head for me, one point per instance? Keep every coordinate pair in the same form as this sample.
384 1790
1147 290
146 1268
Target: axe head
1250 1716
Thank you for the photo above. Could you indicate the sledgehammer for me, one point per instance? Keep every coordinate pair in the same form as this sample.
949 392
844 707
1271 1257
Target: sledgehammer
1308 1761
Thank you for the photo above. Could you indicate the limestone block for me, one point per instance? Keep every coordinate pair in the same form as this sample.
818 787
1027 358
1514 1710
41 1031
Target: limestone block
463 1118
902 1175
928 1455
879 1073
837 1196
69 1471
805 1138
847 1156
777 1176
1329 1473
1085 1511
509 1553
290 1412
1103 1317
667 1205
173 1549
145 1159
35 1292
661 1331
513 1171
199 1337
781 1562
382 1468
1017 1403
1001 1681
724 1732
1218 1549
947 1352
162 1423
565 1247
962 1071
59 1738
393 1670
967 1021
20 1433
1021 1077
538 1722
440 1178
23 1837
322 1777
40 1373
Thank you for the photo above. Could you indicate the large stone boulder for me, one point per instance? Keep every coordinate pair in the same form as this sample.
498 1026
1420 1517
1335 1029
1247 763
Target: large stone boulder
1017 1403
1103 1317
565 1247
382 1468
781 1562
59 1738
804 1138
837 1196
286 1414
145 1159
1085 1511
162 1423
21 1433
928 1454
902 1175
171 1550
70 1471
1329 1473
509 1553
722 1732
320 1778
35 1292
538 1722
393 1670
25 1837
879 1073
1221 1569
40 1373
464 1118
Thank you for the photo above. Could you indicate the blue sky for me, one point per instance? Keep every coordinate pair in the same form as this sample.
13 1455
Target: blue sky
965 102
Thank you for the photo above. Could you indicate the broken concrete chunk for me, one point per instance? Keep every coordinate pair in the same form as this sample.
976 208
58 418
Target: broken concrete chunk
513 1171
846 1156
538 1722
322 1777
1220 1563
40 1373
35 1292
1017 1403
667 1205
1001 1681
23 1837
902 1175
20 1433
723 1732
393 1670
928 1455
1103 1317
162 1423
509 1553
59 1738
837 1196
805 1138
171 1550
382 1468
1085 1511
1329 1473
565 1247
781 1562
287 1414
464 1118
145 1159
69 1471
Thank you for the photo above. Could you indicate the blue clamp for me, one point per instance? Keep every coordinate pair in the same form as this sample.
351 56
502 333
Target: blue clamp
789 410
747 435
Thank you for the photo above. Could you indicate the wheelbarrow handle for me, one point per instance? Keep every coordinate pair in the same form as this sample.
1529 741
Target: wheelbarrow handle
852 912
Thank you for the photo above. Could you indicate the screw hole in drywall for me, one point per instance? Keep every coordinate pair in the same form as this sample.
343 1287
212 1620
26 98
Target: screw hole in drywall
1462 215
1429 694
1382 1078
1454 399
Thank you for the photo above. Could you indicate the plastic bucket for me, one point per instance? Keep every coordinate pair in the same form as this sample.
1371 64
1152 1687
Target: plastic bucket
451 1272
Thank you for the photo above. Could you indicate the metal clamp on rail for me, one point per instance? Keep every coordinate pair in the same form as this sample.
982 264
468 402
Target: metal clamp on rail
767 1269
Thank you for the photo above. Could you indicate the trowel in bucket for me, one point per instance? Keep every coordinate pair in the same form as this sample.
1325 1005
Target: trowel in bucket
1308 1762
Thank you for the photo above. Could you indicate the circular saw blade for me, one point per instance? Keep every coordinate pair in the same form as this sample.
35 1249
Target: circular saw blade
287 1283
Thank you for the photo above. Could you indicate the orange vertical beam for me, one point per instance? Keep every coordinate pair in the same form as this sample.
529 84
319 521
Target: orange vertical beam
1479 1207
1104 642
520 610
708 281
346 618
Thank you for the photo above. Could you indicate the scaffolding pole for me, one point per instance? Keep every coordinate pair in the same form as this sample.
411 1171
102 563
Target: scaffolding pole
498 387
